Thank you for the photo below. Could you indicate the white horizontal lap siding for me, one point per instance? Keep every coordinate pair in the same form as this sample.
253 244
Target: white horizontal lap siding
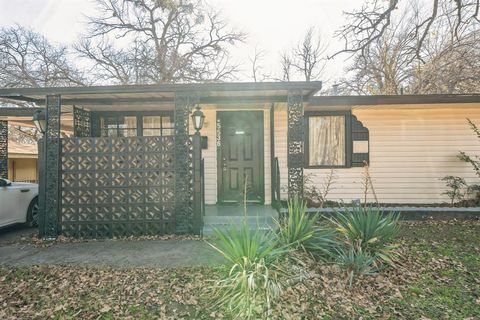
280 134
210 156
267 157
410 151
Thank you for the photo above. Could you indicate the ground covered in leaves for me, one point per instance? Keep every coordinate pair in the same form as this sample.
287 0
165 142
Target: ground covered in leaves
438 278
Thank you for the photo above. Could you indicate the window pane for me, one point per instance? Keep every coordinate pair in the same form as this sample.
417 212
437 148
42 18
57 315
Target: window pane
151 132
111 132
326 139
110 122
127 132
167 122
151 122
127 122
167 132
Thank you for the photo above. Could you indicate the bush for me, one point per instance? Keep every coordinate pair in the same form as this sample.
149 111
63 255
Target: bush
300 231
455 186
254 278
369 230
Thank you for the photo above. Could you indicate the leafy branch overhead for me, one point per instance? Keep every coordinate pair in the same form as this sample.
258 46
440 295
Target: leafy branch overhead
150 41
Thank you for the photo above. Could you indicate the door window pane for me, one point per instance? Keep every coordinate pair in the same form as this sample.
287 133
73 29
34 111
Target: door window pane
326 139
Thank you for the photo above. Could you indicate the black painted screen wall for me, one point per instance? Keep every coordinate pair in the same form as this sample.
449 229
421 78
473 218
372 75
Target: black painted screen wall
113 187
4 149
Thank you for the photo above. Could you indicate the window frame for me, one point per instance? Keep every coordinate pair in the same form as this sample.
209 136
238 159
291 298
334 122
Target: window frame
348 138
139 117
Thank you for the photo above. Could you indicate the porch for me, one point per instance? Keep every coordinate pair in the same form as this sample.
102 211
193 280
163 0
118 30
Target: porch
124 177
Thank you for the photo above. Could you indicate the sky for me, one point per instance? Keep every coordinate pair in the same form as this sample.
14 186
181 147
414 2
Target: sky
272 26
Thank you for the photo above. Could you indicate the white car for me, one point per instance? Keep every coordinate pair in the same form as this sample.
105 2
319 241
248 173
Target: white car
18 203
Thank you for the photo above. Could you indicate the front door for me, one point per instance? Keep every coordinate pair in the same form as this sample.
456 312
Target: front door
240 156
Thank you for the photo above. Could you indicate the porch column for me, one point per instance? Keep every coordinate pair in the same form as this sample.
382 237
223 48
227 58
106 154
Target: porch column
4 149
183 164
295 144
197 184
50 200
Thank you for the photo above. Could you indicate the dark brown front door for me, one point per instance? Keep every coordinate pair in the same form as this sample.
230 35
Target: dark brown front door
240 156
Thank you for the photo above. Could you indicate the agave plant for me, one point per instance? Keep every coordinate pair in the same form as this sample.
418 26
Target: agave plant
299 230
254 279
371 230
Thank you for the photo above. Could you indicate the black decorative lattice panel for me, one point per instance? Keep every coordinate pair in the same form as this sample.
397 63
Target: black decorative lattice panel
4 149
50 209
360 133
184 164
81 123
115 187
295 144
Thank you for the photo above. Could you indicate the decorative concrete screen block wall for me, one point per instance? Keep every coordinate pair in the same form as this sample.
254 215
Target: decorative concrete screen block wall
118 186
3 149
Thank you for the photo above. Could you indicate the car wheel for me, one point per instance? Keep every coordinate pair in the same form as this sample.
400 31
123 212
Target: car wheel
32 213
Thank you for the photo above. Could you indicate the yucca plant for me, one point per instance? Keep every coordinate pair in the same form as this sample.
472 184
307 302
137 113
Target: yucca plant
298 227
371 230
254 278
356 262
299 230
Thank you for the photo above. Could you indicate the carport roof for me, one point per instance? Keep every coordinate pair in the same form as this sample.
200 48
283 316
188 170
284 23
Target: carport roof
235 92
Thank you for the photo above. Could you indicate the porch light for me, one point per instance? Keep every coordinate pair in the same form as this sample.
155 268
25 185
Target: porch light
39 121
198 118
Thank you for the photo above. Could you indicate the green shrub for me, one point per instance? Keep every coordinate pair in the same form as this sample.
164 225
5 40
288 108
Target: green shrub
455 187
254 278
300 231
370 230
356 262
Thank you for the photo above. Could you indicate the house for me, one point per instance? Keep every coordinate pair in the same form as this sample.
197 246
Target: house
22 162
135 164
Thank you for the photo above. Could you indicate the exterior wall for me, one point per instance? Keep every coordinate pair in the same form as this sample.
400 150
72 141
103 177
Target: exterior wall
411 148
22 169
210 154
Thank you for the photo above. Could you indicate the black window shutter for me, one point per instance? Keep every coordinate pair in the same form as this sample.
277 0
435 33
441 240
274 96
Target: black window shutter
359 133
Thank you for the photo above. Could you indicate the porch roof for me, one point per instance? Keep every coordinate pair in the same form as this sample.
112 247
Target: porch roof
155 95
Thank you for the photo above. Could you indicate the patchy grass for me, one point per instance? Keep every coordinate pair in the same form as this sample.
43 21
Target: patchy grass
438 278
448 281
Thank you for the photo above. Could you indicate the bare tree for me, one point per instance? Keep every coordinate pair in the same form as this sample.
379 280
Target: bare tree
385 68
305 60
369 23
390 64
27 59
158 41
256 62
451 65
308 56
286 65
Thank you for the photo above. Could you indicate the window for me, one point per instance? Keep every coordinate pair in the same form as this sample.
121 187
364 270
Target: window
157 126
118 126
327 140
134 124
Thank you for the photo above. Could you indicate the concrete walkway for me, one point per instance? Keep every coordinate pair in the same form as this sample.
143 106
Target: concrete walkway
113 253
